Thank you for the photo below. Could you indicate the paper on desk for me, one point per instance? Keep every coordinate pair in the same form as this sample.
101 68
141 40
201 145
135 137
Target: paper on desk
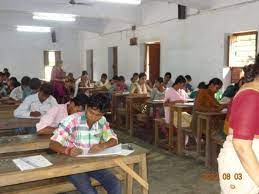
31 162
115 150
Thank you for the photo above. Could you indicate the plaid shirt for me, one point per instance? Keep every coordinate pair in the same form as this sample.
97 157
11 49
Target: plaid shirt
74 130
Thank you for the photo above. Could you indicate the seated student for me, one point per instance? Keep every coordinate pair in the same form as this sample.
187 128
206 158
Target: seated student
35 85
70 83
158 92
168 80
6 77
188 86
18 92
50 121
140 87
104 82
38 104
202 85
87 130
231 90
174 94
11 84
206 101
3 87
121 85
82 83
133 80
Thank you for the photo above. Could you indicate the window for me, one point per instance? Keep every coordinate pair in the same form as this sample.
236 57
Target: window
50 59
242 49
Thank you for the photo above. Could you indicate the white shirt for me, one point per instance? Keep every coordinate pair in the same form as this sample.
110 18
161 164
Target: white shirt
16 93
32 104
77 85
169 84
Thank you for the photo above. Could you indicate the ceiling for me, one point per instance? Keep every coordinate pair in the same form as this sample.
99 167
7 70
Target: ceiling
92 18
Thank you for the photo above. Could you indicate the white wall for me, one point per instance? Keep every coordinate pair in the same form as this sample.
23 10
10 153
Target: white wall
194 46
22 52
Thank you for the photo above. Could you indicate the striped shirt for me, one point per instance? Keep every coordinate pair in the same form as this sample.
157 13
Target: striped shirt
74 131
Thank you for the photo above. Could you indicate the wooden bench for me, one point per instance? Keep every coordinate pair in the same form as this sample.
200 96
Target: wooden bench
50 186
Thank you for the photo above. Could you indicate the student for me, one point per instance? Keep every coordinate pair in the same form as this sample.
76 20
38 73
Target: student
49 122
17 94
174 94
158 92
168 80
3 87
202 85
140 87
121 85
70 84
38 104
188 86
103 82
82 83
238 159
35 85
133 80
206 102
87 130
231 91
6 77
11 84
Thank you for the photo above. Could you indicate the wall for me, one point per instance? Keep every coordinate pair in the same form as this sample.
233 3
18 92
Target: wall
22 52
195 46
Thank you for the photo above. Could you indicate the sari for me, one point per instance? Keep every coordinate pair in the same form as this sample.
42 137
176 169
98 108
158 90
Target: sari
58 86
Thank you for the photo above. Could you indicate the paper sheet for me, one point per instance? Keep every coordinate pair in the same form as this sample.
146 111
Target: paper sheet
31 162
115 150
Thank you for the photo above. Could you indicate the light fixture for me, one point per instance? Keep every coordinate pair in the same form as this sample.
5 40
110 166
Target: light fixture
54 17
133 2
33 29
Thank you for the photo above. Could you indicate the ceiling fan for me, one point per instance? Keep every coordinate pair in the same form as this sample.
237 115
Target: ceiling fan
73 2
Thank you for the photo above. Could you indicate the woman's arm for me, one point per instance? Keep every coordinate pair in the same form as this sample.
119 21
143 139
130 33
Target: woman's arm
247 158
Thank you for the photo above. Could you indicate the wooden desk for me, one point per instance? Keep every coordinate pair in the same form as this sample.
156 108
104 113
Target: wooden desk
8 107
23 143
64 166
207 117
179 108
117 98
155 104
18 122
129 109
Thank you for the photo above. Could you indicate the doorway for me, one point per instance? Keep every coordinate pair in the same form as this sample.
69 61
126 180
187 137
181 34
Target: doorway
152 61
112 61
89 63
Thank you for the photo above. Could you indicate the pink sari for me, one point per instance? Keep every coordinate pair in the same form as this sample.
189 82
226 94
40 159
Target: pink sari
59 90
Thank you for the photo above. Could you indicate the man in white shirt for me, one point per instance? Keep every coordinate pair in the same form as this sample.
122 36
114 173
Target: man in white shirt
36 105
104 82
85 80
19 92
168 83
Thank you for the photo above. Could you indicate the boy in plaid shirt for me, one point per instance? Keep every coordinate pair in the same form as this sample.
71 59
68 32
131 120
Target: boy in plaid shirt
89 130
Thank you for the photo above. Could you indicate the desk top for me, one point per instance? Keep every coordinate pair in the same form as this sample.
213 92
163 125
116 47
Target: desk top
155 101
223 112
62 166
137 96
186 104
18 122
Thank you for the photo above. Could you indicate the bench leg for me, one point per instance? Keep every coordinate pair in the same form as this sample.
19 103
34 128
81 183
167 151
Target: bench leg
143 172
129 182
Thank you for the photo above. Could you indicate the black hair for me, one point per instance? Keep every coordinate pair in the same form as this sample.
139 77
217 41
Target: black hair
160 80
116 78
35 83
215 81
142 75
13 79
25 81
6 70
202 85
70 74
1 74
7 74
104 75
179 80
98 101
135 74
168 74
46 88
80 100
122 78
251 71
188 77
84 73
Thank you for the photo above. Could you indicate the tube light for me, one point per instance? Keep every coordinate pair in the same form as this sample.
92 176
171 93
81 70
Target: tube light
133 2
33 29
54 17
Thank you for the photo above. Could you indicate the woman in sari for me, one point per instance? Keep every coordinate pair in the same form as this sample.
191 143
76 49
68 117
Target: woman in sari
141 87
58 84
238 159
206 102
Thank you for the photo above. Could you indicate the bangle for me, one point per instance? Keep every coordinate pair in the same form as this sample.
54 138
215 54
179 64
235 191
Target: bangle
67 151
